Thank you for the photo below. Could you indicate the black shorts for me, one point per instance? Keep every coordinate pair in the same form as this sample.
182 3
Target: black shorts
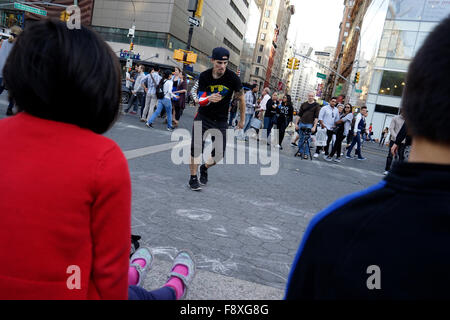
207 124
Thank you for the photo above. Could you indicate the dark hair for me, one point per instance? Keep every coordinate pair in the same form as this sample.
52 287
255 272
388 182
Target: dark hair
348 103
167 74
363 107
156 68
427 85
335 98
64 75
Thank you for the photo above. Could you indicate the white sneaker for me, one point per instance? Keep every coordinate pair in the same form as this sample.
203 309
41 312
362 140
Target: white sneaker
316 155
327 158
322 152
278 146
385 173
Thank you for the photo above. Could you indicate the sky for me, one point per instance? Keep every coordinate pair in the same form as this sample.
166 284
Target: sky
316 22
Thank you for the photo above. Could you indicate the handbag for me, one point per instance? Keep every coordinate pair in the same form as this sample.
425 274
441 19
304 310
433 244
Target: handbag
321 137
255 123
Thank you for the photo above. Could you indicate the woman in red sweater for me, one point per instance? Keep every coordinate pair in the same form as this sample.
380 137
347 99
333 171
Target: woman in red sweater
65 190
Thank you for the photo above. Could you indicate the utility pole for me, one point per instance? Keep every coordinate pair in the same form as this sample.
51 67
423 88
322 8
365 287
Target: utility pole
188 45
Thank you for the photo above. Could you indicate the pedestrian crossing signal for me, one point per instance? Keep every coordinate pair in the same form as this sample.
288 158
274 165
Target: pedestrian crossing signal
296 64
290 63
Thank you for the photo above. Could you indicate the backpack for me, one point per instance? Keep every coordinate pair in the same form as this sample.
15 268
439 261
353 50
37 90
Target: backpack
160 89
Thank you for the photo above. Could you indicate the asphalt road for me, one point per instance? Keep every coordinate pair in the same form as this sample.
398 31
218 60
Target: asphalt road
244 228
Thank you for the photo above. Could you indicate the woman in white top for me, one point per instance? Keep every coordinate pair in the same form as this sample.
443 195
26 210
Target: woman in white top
342 128
166 103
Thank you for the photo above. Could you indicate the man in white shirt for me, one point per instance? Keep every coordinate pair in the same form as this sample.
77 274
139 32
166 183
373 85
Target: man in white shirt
358 130
328 116
150 83
137 94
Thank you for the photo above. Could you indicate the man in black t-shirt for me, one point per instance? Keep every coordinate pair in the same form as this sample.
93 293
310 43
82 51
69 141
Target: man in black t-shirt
215 90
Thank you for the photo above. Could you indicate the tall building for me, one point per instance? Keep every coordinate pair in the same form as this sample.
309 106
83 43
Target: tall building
287 74
162 27
392 33
267 32
271 42
250 39
344 28
302 82
285 12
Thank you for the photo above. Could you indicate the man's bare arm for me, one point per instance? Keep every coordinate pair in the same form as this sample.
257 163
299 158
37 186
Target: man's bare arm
240 95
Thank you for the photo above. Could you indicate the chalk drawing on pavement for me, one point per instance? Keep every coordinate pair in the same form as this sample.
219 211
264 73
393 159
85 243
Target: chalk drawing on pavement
221 232
196 214
170 252
226 267
264 233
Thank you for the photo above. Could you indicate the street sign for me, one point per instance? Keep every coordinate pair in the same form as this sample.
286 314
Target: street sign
322 53
358 90
24 7
194 22
321 75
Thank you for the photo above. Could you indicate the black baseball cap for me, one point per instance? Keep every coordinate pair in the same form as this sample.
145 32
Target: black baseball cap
220 54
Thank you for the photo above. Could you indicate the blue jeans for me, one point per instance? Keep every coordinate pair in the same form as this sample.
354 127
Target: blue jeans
138 293
232 116
167 105
268 124
303 148
134 101
248 118
356 140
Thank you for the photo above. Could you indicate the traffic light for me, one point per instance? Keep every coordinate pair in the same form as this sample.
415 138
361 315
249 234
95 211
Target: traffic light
64 16
199 11
290 63
131 46
296 64
356 77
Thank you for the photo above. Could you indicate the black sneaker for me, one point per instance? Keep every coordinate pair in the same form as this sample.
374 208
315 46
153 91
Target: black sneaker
203 175
194 184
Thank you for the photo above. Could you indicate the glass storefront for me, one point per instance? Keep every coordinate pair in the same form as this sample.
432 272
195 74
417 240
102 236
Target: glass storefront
392 83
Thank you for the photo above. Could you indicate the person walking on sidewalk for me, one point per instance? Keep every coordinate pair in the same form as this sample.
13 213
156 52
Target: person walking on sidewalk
137 94
359 128
250 104
394 128
285 113
215 89
328 116
308 117
343 127
164 103
151 82
270 115
5 49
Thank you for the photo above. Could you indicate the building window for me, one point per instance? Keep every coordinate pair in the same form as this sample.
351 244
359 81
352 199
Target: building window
345 34
347 24
259 59
231 46
267 14
392 83
261 48
233 27
235 8
263 36
386 109
265 25
257 71
269 2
